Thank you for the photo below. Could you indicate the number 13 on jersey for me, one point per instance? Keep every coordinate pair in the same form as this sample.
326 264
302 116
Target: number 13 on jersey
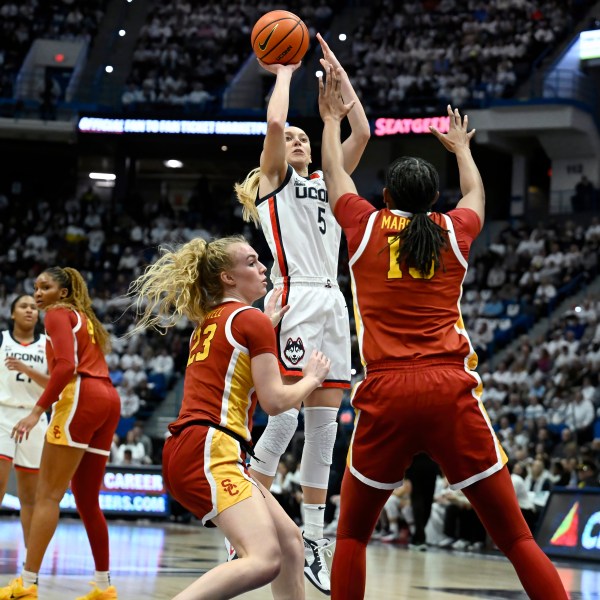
395 272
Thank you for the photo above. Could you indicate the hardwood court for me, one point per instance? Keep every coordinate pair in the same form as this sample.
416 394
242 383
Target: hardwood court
157 560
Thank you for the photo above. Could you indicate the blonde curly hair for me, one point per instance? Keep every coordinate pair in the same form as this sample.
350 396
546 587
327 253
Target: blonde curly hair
184 282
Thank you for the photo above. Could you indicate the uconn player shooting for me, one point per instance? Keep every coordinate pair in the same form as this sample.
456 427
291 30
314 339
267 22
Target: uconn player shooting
291 206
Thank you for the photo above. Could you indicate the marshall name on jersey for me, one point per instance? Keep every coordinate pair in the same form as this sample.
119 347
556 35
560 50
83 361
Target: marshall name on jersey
16 389
295 217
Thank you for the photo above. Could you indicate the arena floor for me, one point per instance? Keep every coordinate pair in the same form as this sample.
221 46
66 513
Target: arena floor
157 560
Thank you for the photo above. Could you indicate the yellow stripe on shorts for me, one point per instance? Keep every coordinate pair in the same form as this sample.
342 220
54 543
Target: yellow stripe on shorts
62 412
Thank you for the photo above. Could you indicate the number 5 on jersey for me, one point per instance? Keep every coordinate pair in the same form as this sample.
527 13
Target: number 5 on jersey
203 337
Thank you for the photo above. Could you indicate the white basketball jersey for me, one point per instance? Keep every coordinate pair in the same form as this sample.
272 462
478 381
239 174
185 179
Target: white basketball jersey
16 389
300 228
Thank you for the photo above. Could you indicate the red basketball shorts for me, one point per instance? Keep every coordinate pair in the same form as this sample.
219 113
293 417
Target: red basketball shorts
86 415
203 471
432 408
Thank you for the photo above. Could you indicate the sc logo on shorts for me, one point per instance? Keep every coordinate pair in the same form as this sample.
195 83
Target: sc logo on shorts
230 488
56 432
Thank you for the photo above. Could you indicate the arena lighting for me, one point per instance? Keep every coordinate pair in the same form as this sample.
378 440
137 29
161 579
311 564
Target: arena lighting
108 69
385 126
122 32
224 148
589 44
172 126
342 37
173 163
319 73
103 176
59 57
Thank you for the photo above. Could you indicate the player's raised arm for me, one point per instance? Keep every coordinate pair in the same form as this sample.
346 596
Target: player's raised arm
273 163
333 110
354 146
457 141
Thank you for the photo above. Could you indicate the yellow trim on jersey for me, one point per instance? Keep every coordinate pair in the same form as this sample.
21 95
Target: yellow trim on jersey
239 401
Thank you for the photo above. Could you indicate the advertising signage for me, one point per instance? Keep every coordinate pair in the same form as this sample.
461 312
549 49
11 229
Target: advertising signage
570 525
385 126
134 491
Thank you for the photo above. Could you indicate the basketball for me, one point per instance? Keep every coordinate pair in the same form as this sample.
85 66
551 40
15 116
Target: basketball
280 37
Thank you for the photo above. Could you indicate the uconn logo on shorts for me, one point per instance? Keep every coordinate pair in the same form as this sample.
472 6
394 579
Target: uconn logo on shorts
294 350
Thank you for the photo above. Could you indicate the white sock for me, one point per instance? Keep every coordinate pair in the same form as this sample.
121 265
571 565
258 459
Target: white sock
314 520
102 579
394 527
29 578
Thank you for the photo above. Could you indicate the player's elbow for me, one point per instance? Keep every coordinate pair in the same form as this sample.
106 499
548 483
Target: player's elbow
276 403
276 123
363 136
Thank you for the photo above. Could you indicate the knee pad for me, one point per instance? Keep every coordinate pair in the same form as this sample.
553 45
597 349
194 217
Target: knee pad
274 442
320 430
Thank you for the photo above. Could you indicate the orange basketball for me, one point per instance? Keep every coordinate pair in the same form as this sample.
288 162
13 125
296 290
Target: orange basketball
279 37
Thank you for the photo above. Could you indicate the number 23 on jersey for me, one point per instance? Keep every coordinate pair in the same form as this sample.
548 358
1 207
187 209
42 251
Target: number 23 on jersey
201 343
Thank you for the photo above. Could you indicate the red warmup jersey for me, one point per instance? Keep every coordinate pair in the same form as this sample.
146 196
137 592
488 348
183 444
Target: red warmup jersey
71 349
218 380
379 286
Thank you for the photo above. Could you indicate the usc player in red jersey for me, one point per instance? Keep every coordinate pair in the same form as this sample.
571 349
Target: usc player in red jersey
85 414
232 364
421 392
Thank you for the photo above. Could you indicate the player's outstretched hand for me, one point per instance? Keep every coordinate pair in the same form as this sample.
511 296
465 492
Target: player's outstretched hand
318 366
328 54
273 311
458 135
24 426
276 68
331 103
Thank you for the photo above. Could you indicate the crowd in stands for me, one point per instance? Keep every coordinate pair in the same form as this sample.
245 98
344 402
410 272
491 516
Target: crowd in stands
189 51
417 56
412 56
23 22
523 274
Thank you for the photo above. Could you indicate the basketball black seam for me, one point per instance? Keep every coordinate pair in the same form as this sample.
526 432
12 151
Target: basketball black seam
269 25
300 46
282 40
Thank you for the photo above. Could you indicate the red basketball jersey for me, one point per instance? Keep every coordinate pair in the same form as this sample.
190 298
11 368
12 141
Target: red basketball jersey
422 315
218 380
70 333
71 349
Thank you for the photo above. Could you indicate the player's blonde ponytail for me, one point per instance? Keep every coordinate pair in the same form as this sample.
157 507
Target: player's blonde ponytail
184 282
246 193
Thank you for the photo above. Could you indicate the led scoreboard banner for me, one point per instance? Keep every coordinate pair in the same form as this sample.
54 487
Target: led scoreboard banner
134 491
570 525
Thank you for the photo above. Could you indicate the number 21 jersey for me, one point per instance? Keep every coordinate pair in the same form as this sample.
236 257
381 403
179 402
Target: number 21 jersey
16 389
